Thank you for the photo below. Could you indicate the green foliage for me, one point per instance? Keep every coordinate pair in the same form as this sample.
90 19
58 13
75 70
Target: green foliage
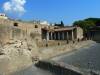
62 24
86 24
94 20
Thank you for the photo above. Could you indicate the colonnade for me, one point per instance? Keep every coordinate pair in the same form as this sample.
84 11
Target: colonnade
60 35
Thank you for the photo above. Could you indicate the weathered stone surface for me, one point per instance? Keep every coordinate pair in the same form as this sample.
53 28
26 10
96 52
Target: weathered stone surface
16 56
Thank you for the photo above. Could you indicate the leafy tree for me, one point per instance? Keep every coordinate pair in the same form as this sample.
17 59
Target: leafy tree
94 20
62 24
84 24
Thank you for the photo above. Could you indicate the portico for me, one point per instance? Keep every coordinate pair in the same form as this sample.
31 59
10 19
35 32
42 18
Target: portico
59 34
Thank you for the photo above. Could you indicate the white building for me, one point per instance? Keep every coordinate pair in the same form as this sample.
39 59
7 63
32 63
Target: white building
44 23
3 16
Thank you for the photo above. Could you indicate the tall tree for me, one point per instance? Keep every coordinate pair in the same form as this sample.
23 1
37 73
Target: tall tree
85 25
62 24
94 20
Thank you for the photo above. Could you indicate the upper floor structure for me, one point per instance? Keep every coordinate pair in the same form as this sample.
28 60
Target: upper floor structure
3 16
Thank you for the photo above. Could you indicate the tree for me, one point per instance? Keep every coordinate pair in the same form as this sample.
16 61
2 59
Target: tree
62 24
94 20
84 24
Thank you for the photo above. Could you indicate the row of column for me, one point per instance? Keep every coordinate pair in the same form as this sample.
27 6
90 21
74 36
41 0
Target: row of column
64 35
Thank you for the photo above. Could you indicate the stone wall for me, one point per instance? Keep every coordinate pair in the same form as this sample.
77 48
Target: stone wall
17 46
95 35
79 33
20 30
51 43
58 68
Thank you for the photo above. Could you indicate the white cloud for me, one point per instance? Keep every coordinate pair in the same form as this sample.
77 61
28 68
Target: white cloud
19 2
7 6
14 6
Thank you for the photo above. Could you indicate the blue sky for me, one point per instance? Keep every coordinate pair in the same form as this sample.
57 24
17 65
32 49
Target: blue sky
57 10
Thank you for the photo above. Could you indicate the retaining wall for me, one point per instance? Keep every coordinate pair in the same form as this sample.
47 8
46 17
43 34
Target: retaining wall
58 68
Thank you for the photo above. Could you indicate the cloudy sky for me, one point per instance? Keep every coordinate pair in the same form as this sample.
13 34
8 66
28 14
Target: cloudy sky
51 10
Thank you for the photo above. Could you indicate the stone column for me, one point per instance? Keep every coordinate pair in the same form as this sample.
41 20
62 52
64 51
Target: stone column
58 36
72 35
67 36
47 35
63 35
54 36
51 36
